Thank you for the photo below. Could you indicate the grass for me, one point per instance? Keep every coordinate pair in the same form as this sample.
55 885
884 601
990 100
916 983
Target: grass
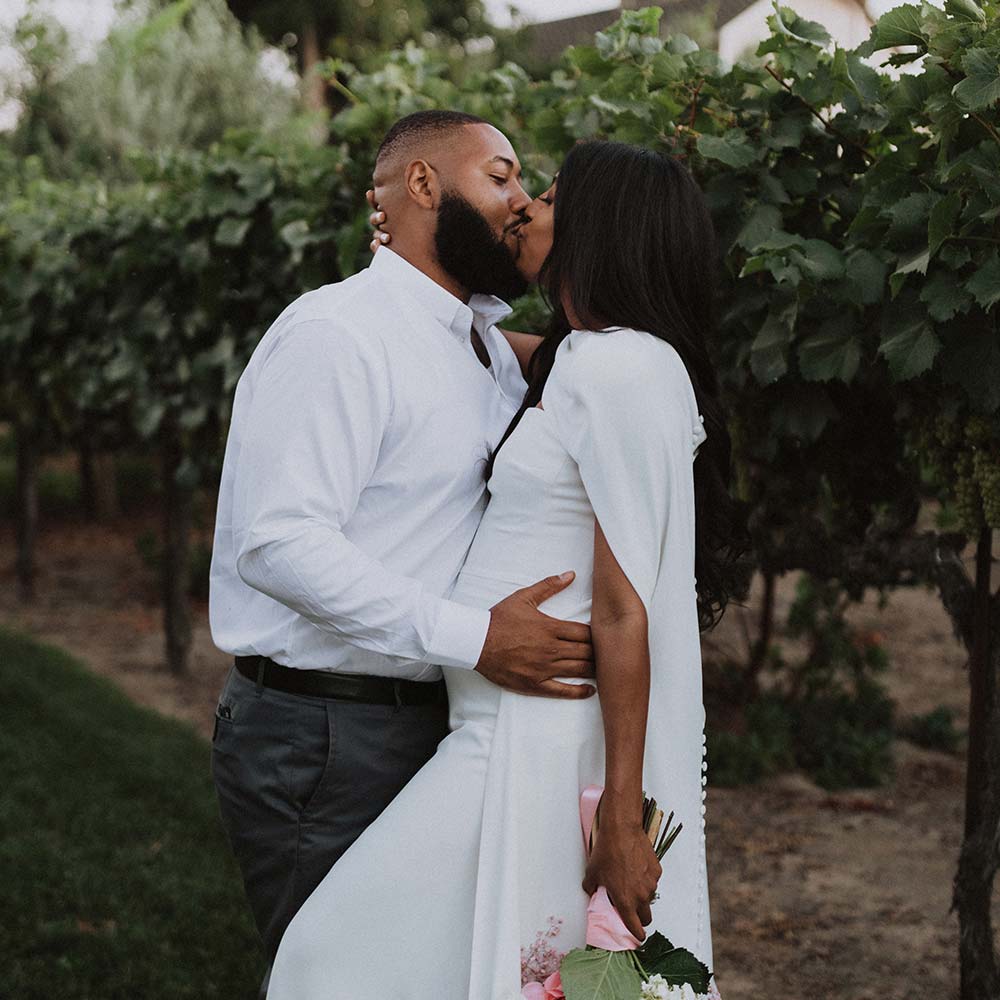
118 883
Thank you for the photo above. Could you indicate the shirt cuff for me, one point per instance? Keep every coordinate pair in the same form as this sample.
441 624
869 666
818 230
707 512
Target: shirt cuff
459 635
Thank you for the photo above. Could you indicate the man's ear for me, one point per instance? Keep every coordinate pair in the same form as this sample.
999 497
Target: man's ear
422 185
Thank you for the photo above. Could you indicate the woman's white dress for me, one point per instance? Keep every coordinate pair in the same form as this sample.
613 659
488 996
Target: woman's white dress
469 883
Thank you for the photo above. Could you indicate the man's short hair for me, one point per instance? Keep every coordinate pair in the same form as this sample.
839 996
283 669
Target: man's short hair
423 125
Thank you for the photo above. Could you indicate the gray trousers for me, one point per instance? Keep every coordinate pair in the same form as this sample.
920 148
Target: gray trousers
299 778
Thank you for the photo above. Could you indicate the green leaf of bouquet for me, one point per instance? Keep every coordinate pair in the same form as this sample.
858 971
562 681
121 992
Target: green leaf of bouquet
985 283
653 948
909 344
596 974
902 25
677 965
981 86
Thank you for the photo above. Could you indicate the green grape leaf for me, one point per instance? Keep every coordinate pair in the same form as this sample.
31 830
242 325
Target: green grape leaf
732 148
910 213
981 86
764 220
902 25
789 23
942 221
231 232
915 261
866 273
945 296
972 363
985 283
909 344
820 260
769 351
833 352
969 10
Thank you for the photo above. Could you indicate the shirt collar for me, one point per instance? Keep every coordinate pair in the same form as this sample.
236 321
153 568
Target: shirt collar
451 312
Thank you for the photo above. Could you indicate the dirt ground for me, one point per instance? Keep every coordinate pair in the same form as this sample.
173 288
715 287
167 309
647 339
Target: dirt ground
840 896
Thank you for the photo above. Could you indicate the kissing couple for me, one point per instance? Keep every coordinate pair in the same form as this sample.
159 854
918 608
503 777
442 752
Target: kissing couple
463 573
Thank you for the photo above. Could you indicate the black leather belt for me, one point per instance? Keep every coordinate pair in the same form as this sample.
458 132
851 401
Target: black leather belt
345 687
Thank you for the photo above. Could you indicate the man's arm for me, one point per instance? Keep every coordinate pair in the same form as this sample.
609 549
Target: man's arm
321 404
320 407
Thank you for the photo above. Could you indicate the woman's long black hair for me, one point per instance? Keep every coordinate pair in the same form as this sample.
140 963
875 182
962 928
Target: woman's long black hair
633 246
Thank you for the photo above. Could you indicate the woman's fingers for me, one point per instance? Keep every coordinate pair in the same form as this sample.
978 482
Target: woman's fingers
375 219
630 919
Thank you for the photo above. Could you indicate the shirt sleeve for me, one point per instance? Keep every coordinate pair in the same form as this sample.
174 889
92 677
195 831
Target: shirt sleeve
621 404
320 406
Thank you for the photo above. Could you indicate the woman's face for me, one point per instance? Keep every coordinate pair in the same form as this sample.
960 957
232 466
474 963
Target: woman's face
535 235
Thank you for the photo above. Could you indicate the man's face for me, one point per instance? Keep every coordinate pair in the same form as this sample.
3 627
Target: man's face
472 253
479 208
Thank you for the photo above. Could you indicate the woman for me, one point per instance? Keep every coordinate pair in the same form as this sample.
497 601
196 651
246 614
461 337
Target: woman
474 881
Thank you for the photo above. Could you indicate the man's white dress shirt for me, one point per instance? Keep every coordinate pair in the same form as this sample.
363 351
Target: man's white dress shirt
352 483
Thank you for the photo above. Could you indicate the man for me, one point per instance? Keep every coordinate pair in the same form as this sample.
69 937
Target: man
351 489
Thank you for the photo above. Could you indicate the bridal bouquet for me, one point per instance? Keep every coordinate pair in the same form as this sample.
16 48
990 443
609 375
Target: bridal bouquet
615 965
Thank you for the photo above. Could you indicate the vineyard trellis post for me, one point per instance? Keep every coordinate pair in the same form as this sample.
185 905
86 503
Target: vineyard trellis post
175 565
27 507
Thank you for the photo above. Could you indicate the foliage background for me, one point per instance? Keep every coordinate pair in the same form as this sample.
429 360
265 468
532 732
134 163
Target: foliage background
146 247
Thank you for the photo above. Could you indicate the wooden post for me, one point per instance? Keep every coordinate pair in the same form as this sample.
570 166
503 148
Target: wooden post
759 651
175 569
978 859
98 484
314 85
27 509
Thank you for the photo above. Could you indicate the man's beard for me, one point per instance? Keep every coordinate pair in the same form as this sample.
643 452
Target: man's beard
469 251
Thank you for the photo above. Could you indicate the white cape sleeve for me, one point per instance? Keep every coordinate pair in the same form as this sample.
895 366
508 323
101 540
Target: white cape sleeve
623 407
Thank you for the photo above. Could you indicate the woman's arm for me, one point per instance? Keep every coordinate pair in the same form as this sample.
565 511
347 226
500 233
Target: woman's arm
623 860
524 345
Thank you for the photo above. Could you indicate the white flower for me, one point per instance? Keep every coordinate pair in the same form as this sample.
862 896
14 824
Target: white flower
657 988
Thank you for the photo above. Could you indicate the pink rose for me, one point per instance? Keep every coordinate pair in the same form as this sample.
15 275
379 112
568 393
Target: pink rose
551 989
